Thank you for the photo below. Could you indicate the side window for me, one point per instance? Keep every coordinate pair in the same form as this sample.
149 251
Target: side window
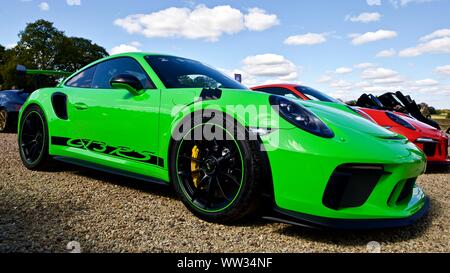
107 70
82 79
278 91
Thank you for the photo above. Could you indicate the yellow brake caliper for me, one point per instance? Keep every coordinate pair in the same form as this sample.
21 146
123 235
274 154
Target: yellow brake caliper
195 166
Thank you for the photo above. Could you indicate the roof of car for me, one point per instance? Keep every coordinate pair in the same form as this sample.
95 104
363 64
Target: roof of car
137 54
276 85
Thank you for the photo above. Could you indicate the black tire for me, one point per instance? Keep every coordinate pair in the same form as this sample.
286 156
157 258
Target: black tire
6 125
33 139
246 200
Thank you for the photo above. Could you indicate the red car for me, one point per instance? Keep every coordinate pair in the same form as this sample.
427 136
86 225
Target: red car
433 142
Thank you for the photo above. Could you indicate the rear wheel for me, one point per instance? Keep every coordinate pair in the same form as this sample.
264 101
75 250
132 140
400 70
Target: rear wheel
216 178
4 121
33 139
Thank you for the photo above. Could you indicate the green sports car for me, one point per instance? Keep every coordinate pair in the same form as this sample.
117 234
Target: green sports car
228 152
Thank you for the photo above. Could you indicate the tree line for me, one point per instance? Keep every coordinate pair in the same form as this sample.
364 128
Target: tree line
42 46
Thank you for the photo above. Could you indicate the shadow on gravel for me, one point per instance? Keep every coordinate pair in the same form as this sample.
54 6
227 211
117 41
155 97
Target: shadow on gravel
32 224
362 237
123 181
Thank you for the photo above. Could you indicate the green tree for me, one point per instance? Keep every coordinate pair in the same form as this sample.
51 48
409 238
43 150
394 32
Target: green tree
2 54
43 46
2 61
74 53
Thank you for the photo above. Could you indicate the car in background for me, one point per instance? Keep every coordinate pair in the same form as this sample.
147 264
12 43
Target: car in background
401 114
433 142
395 102
10 103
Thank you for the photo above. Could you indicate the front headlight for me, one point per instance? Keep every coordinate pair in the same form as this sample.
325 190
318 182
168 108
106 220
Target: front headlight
300 116
397 119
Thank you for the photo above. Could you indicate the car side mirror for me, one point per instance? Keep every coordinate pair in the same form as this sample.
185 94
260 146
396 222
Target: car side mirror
129 82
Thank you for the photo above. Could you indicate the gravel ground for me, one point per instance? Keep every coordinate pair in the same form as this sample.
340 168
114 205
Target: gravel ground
44 211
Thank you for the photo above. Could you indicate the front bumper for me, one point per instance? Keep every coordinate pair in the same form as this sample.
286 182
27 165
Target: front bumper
302 166
436 150
316 222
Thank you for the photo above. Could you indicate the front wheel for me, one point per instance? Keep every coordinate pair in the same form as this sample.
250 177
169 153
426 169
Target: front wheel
33 139
217 178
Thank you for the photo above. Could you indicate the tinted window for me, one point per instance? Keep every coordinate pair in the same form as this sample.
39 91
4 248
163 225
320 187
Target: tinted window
82 79
279 91
107 70
176 72
315 95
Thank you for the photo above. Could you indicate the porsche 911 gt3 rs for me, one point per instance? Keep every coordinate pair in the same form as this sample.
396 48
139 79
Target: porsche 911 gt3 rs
226 151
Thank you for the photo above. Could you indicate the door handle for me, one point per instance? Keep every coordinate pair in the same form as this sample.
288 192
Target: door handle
80 106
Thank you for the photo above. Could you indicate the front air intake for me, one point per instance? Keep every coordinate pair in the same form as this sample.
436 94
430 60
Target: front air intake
402 192
351 185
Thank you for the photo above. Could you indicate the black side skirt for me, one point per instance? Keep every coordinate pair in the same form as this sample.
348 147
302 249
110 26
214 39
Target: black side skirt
110 170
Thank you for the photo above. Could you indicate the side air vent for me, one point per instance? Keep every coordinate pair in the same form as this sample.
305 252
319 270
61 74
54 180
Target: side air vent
59 103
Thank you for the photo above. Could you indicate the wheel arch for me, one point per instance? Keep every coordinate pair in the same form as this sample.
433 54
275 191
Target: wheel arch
26 107
257 147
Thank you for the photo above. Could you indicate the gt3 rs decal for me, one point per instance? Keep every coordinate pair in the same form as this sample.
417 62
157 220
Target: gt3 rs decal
103 148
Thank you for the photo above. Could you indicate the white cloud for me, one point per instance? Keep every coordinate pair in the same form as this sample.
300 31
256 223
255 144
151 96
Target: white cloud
341 84
362 84
389 81
258 20
135 44
441 45
266 68
200 22
378 80
324 79
73 2
404 3
445 70
44 6
436 42
306 39
368 37
270 65
440 33
364 65
365 17
378 73
9 46
427 82
387 53
343 70
374 2
124 48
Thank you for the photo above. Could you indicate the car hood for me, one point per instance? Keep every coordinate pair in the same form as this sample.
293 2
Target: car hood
15 96
340 117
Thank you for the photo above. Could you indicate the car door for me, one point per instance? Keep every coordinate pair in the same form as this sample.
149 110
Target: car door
113 127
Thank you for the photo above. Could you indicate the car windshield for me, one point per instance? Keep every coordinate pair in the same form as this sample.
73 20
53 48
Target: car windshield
315 95
176 72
